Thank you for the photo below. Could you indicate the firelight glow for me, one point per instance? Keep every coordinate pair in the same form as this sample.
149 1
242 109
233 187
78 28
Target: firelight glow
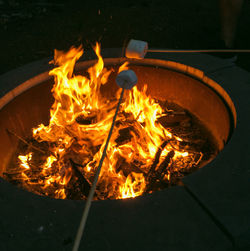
80 119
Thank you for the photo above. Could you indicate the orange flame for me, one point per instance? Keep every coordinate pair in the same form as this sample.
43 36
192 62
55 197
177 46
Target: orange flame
134 186
78 98
24 160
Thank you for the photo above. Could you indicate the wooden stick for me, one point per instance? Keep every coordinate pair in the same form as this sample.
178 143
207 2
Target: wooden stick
92 190
157 157
159 174
85 186
24 141
164 165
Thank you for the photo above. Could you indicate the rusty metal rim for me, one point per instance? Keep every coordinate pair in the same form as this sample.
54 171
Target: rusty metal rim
38 73
112 214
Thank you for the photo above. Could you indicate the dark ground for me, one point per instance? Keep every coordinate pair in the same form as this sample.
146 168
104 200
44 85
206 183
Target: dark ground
31 30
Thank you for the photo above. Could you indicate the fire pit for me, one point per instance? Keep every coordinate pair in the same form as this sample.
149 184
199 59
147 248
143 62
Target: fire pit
169 125
205 212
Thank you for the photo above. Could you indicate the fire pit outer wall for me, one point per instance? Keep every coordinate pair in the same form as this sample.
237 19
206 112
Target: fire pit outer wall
204 214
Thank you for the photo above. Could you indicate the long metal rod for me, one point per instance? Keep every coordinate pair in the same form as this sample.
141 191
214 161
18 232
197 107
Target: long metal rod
199 51
92 190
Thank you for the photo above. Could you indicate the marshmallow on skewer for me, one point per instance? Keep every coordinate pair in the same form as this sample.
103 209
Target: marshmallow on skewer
136 49
126 79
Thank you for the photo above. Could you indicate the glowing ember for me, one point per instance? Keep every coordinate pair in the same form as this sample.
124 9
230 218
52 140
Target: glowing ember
142 154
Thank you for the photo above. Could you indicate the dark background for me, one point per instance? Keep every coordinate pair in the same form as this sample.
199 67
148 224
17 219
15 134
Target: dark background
31 30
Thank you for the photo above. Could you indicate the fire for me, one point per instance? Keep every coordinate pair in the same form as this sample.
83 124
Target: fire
24 160
133 186
80 119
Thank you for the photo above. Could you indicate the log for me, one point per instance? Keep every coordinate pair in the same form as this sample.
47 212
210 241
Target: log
124 136
157 157
174 119
163 168
84 184
25 142
81 120
156 178
127 168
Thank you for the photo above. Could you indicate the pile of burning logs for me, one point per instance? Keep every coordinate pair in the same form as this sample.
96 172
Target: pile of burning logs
160 174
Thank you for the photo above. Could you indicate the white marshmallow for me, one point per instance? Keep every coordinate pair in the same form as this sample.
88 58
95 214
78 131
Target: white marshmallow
126 79
136 49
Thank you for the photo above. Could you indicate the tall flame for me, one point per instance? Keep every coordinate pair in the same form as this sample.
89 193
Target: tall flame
80 117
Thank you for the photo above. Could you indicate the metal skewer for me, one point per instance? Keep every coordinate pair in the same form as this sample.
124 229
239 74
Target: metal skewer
126 80
92 190
138 49
200 51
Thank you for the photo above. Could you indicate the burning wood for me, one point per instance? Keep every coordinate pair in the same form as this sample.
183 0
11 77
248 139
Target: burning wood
154 143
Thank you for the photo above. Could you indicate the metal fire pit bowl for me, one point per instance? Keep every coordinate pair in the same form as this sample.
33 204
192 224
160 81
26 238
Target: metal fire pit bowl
211 211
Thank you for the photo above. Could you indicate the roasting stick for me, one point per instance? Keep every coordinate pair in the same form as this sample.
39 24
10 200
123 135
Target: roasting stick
126 80
138 49
200 51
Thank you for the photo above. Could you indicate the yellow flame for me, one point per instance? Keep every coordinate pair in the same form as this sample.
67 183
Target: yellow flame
123 67
134 186
80 113
24 160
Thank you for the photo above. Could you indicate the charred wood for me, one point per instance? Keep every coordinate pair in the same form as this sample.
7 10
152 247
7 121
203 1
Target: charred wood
124 135
84 184
157 177
157 157
24 141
